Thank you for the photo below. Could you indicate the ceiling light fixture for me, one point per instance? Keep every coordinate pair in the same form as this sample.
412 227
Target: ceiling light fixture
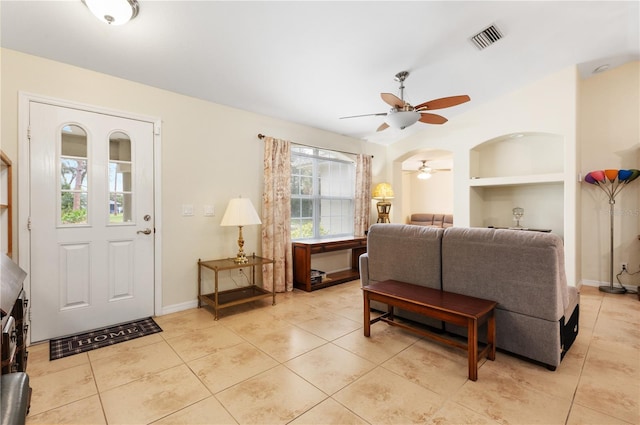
424 175
424 171
402 119
113 12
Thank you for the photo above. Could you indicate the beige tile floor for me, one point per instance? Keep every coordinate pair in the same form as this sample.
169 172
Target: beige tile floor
305 361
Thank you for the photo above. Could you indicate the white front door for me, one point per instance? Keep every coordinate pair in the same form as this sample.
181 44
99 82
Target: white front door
91 220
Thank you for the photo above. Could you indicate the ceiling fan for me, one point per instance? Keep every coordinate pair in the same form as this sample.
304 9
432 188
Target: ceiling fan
403 115
425 172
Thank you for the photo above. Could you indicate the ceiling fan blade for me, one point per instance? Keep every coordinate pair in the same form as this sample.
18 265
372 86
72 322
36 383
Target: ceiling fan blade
383 126
366 115
432 118
392 100
444 102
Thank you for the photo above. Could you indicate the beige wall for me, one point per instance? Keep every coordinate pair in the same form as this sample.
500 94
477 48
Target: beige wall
210 153
434 195
609 136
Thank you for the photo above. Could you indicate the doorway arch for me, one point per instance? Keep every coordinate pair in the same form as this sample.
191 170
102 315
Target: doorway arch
431 195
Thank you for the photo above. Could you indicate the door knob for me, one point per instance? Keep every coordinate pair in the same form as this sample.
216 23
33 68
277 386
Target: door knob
145 231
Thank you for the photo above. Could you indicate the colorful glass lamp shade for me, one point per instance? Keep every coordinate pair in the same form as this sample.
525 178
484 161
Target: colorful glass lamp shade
612 182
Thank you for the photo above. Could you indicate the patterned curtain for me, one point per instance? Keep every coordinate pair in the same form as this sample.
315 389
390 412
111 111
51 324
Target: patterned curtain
276 214
363 195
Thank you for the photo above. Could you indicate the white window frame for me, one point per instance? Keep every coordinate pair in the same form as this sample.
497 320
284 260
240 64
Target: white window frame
318 155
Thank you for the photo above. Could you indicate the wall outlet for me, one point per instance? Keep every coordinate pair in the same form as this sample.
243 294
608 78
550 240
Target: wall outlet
623 267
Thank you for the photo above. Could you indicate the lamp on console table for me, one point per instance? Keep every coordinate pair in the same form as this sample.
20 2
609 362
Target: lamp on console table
382 192
612 182
240 212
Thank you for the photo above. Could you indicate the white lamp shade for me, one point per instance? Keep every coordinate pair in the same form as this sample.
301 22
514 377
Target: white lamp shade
113 12
240 212
402 119
423 175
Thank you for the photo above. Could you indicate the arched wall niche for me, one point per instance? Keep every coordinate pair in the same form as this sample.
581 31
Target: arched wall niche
518 154
523 170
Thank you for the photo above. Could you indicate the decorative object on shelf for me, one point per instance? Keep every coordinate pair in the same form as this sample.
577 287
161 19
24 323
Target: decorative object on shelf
518 212
382 192
240 212
611 182
113 12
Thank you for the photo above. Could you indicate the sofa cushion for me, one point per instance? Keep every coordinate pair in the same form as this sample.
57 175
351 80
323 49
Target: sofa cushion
438 220
406 253
523 271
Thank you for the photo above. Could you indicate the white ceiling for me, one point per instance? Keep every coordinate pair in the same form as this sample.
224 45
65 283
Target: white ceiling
313 62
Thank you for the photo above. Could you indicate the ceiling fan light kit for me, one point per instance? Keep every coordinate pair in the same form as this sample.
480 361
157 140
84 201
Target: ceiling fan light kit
113 12
403 115
424 175
402 119
425 172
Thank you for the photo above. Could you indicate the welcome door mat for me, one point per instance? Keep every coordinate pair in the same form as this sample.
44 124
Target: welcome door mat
80 343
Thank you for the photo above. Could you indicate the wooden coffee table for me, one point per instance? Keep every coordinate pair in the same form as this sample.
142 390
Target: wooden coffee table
461 310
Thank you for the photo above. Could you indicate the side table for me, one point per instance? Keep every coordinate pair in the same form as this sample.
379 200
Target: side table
222 299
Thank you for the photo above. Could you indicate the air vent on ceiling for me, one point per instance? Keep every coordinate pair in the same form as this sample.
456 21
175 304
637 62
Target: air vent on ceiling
486 37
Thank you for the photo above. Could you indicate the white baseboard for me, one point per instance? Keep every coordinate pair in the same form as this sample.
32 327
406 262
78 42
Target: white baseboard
595 283
598 283
168 309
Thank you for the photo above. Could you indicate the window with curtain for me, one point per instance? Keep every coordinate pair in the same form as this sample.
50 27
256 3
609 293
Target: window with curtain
322 193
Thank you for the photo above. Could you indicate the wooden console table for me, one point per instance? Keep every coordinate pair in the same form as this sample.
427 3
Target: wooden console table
221 299
302 251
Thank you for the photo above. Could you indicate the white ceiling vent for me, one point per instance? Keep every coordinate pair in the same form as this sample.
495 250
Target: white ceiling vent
486 37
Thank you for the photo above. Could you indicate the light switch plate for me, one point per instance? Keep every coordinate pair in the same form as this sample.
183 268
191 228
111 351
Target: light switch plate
209 211
187 210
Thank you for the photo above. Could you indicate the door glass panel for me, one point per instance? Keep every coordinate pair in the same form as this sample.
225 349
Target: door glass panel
73 176
120 183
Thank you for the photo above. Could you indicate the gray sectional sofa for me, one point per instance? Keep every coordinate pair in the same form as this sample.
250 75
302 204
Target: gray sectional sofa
537 312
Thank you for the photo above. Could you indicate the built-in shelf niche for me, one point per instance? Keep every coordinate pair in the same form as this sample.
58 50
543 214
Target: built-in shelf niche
518 170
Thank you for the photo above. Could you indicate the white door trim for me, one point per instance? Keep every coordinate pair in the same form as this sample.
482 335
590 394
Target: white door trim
24 191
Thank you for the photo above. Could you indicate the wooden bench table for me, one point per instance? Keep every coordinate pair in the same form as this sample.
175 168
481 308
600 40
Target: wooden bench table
461 310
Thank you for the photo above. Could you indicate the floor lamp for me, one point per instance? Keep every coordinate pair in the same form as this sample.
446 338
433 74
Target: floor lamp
611 182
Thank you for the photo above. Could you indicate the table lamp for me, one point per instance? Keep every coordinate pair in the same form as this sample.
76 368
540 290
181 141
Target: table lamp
383 191
240 212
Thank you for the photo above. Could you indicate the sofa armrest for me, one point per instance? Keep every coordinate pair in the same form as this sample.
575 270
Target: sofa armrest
364 269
